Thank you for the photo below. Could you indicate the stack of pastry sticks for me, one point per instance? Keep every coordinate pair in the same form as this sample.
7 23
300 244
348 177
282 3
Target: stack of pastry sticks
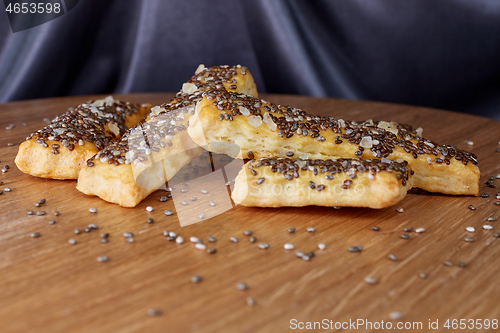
293 158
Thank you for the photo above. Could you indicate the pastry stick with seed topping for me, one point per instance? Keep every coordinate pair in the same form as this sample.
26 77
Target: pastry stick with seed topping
263 129
60 149
151 153
282 182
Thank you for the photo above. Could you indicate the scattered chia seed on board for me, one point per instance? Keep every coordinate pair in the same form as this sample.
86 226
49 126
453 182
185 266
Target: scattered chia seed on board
196 279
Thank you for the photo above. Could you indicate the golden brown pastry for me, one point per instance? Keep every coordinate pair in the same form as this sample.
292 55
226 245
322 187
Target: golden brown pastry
148 155
60 149
282 182
263 129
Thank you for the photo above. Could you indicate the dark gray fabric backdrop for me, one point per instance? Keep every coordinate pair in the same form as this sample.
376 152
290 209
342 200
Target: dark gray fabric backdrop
437 53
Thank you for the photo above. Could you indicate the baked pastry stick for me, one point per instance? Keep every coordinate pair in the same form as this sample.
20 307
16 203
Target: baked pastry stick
263 129
60 149
282 182
127 171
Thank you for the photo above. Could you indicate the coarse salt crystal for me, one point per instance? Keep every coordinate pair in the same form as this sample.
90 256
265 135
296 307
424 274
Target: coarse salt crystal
98 103
244 111
200 68
269 121
189 88
255 121
155 110
109 100
300 163
59 131
388 127
366 142
113 128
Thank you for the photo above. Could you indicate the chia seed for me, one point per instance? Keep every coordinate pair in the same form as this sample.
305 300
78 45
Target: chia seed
241 286
200 246
154 312
393 257
102 259
196 279
358 248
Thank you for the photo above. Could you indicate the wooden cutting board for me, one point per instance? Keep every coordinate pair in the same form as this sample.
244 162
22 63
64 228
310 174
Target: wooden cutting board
49 285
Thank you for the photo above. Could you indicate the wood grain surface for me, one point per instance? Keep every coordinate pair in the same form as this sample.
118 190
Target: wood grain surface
49 285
